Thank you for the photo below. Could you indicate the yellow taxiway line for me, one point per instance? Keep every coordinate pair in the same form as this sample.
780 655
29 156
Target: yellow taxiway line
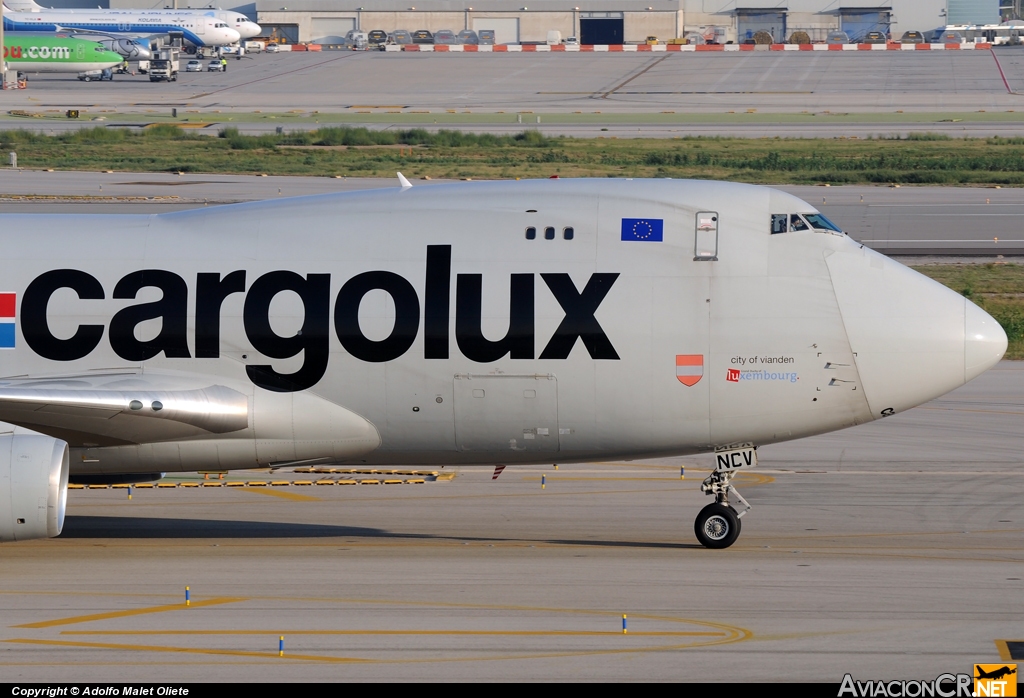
124 614
186 650
283 495
509 633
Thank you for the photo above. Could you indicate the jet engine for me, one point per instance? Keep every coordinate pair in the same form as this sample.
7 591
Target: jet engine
33 485
130 49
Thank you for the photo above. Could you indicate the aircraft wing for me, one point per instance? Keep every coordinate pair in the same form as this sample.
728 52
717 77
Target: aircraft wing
131 409
90 34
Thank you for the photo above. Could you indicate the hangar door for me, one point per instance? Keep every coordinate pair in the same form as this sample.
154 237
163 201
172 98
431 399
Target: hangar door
288 32
506 29
972 12
601 28
857 23
749 22
331 30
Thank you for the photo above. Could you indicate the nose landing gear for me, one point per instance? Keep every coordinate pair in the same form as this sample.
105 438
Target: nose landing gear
718 525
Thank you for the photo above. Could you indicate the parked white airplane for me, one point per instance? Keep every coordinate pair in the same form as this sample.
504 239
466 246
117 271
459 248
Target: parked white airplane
246 28
197 29
547 321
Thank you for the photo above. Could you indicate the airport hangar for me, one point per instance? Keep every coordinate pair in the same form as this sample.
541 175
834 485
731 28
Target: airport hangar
613 21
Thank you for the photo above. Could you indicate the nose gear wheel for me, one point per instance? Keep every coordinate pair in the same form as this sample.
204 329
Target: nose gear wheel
718 525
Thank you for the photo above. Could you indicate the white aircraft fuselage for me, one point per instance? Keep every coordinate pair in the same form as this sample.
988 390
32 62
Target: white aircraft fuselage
487 323
198 29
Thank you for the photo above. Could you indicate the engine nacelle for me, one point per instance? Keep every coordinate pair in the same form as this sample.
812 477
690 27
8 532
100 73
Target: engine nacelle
33 485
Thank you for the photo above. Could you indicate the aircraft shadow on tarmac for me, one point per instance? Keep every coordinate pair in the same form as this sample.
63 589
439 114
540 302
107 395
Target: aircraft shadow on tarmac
126 528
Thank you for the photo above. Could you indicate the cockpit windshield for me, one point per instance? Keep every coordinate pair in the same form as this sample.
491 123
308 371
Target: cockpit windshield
797 222
819 222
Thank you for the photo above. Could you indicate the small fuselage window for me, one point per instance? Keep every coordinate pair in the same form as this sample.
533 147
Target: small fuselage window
780 223
568 232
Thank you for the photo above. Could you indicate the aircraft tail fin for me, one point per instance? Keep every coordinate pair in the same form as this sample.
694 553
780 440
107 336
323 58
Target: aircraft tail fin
22 5
405 183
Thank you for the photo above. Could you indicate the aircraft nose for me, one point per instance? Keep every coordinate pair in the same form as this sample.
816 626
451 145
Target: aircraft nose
984 341
912 338
231 35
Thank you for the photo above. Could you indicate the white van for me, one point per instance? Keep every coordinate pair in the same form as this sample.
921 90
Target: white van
554 37
357 40
254 46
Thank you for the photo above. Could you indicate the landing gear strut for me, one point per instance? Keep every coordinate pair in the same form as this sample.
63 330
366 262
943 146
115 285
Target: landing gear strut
718 524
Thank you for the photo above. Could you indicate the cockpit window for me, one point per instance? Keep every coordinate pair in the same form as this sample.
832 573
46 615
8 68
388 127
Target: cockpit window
819 222
799 222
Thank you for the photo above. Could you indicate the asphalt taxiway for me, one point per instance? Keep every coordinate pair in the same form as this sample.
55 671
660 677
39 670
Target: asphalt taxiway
891 550
750 94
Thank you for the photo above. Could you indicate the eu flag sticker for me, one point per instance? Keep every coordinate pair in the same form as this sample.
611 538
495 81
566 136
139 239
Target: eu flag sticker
643 229
7 306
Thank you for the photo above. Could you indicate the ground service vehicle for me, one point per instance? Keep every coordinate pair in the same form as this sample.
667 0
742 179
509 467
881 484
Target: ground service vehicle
445 37
90 75
164 66
356 40
401 36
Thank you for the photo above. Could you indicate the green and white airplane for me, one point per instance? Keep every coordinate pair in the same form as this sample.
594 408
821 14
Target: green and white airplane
52 54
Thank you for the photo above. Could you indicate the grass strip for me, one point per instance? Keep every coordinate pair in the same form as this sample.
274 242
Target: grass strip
996 287
926 158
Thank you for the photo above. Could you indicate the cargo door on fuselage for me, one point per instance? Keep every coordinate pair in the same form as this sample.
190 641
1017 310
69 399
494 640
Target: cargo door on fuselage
506 413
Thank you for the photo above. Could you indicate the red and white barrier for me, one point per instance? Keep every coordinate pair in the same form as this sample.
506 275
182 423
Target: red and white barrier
682 48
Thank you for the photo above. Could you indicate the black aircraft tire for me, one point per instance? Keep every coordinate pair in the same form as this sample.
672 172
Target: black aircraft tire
717 526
